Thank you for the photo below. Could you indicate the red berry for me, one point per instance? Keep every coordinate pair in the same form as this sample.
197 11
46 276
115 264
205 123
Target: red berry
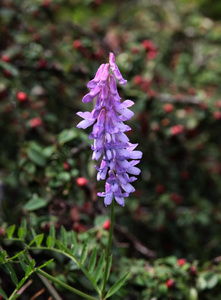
46 3
181 262
107 225
168 107
78 227
148 45
7 73
77 44
193 270
176 198
135 50
151 54
152 93
170 283
81 181
22 97
217 103
176 129
87 206
66 166
35 122
160 188
137 80
5 58
203 105
42 63
217 115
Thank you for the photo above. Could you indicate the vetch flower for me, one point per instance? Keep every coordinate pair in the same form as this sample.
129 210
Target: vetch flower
118 157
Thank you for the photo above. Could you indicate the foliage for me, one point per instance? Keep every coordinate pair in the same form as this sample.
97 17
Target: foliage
169 51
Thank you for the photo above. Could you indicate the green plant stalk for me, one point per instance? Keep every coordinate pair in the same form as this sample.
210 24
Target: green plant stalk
108 249
64 285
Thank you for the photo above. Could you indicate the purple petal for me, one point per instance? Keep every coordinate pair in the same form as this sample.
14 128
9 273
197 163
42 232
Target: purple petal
97 154
122 137
85 123
91 84
104 75
120 200
126 103
133 171
115 70
128 188
113 88
136 155
108 199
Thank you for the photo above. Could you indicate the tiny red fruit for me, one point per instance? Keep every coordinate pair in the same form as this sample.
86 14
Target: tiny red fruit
5 58
176 129
81 181
160 188
168 107
107 225
137 80
77 44
170 283
22 97
217 115
181 262
7 73
35 122
66 166
176 198
193 270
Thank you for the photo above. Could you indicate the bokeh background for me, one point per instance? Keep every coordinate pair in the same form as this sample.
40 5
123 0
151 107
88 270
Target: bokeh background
169 233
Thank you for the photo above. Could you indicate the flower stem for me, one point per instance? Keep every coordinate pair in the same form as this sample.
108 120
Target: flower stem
108 249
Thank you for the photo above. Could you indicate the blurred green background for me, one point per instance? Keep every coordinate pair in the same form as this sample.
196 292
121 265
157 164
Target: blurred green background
170 53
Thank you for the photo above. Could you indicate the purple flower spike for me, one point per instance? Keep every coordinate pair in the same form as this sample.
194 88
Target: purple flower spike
110 141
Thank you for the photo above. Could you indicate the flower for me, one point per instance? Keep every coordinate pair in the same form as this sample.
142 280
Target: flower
118 155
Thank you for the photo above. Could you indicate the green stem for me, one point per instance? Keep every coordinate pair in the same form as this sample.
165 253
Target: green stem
64 285
108 249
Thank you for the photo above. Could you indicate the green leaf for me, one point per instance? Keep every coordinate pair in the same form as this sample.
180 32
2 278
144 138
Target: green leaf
35 203
92 260
66 136
100 266
22 263
212 279
21 233
51 237
193 294
3 255
36 156
46 263
37 240
21 282
64 237
3 293
30 268
201 283
73 243
84 252
12 273
117 286
49 241
109 266
108 272
48 151
10 230
64 176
